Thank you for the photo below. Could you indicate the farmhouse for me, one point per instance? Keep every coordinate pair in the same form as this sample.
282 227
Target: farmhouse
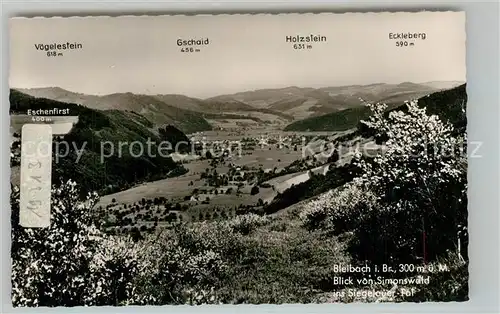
201 197
238 183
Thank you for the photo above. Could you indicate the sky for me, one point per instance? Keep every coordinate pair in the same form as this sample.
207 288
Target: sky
246 52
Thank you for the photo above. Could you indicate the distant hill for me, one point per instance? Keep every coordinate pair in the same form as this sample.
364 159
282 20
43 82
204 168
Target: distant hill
181 101
95 127
437 102
261 98
443 84
281 105
302 103
187 113
236 107
337 121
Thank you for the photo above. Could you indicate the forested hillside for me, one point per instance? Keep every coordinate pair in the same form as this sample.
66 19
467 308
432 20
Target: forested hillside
101 132
448 103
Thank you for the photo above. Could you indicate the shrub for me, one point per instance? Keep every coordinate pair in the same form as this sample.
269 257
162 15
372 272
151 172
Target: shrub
255 190
183 265
338 210
420 180
71 262
244 224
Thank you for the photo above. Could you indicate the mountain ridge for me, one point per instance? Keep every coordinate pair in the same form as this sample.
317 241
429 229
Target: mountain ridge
286 104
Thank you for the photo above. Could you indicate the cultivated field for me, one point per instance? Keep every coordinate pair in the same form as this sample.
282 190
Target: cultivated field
222 185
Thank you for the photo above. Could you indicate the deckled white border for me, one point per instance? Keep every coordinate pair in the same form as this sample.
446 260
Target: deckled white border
482 88
256 14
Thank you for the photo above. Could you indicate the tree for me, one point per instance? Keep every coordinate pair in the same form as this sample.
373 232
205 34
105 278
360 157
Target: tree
334 157
420 181
136 234
255 190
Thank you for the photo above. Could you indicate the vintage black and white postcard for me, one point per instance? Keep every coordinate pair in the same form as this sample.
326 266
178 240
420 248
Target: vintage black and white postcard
238 159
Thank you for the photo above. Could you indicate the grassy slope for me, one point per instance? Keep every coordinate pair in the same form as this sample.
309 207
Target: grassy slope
281 262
